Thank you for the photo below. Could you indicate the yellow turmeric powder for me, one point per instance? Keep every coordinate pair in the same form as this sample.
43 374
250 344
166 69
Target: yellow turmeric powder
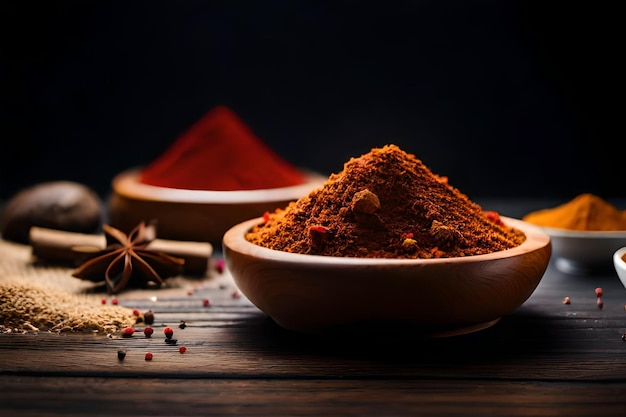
586 212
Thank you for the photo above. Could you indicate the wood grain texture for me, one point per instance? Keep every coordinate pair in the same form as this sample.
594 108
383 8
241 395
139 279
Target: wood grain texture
317 397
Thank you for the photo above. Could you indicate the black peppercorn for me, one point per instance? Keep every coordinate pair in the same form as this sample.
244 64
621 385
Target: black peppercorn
148 317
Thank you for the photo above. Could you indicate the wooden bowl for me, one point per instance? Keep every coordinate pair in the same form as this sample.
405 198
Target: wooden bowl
438 297
194 215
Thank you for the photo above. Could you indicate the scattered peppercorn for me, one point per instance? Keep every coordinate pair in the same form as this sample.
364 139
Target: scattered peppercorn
182 349
114 301
136 312
121 354
236 295
149 356
206 302
168 332
182 324
148 317
598 292
103 301
148 331
128 331
566 300
219 265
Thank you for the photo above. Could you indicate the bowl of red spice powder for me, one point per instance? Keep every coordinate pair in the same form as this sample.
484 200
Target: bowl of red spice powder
216 174
386 242
195 215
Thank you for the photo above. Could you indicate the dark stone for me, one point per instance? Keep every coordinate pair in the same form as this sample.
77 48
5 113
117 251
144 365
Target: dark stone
60 205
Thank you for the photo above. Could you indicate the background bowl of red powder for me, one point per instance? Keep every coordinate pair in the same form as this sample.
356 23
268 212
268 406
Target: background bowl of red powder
195 215
433 297
215 174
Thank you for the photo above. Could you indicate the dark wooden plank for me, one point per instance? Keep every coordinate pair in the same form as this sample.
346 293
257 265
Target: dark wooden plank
37 396
518 347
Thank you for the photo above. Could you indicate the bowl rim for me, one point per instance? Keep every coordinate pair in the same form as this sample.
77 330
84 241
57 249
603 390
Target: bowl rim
234 240
127 184
586 234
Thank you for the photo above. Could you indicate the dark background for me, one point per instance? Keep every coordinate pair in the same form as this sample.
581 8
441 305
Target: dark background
507 98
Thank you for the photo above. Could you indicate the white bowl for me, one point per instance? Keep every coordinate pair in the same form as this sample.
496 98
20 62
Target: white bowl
439 297
195 215
620 264
582 252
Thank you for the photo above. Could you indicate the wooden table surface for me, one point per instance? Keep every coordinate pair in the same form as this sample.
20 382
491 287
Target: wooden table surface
546 358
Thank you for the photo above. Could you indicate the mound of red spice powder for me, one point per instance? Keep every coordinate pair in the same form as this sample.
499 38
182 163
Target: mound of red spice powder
220 153
385 204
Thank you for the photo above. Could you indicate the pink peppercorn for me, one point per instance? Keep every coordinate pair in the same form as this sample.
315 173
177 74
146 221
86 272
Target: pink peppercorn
136 312
598 292
103 301
114 301
182 349
236 295
566 300
149 356
148 331
219 265
206 302
128 331
168 332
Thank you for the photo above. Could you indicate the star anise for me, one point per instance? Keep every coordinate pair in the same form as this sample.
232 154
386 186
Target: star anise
128 256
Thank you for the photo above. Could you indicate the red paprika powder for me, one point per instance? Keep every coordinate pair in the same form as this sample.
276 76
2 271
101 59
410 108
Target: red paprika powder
221 153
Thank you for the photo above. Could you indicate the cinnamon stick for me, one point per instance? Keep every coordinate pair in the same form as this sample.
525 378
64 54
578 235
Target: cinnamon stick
61 247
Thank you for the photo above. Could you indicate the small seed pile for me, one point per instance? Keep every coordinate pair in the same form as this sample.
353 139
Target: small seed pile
38 298
385 204
26 308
